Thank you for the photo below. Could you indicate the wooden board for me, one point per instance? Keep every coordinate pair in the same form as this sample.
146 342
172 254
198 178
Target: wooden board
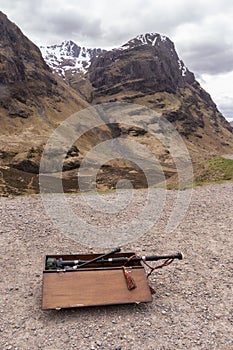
92 287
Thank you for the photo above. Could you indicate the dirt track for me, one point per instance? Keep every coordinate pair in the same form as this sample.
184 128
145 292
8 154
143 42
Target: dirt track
192 307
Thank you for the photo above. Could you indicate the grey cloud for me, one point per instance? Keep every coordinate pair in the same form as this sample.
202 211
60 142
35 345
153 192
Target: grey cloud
58 22
150 17
211 59
227 111
226 107
67 23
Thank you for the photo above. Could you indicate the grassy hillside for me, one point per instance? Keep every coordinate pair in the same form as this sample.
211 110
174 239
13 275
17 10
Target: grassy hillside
217 169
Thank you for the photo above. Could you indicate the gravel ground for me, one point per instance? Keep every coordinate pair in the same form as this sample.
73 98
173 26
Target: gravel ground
192 307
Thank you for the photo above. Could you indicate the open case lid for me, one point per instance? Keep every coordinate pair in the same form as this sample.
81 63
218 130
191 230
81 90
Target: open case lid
93 286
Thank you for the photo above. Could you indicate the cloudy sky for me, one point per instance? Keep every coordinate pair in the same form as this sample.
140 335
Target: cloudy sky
202 31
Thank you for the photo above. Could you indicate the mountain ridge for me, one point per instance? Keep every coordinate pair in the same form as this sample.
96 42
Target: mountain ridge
69 56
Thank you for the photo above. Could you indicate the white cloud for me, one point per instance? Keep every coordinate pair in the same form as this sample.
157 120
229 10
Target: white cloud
220 88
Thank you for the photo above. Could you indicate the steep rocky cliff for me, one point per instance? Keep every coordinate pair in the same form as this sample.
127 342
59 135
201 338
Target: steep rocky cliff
27 84
148 71
33 101
146 64
24 76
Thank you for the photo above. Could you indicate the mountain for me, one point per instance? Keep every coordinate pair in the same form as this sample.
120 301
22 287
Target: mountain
147 71
71 62
147 64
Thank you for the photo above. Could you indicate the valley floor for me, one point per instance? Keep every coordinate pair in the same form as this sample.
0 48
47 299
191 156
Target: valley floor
192 307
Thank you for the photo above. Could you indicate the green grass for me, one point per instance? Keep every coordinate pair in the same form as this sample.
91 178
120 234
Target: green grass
215 170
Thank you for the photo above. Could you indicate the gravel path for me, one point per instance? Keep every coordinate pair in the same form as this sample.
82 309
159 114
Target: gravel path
192 308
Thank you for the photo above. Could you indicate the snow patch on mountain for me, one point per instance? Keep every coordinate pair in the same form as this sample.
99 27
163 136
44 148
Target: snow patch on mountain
152 39
68 56
182 68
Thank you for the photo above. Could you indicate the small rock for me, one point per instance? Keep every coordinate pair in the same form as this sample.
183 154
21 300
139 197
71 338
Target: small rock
218 315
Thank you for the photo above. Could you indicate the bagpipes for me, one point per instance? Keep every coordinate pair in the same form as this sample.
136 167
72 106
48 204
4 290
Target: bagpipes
105 260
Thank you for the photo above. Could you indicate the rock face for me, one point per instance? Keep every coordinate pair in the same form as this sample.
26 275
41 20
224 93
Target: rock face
28 86
32 98
147 71
146 64
25 78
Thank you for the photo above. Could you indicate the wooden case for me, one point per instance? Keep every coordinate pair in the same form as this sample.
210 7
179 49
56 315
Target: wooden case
93 285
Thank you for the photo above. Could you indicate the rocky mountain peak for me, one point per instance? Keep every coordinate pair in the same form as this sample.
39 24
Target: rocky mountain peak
147 63
72 58
68 56
161 42
152 39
